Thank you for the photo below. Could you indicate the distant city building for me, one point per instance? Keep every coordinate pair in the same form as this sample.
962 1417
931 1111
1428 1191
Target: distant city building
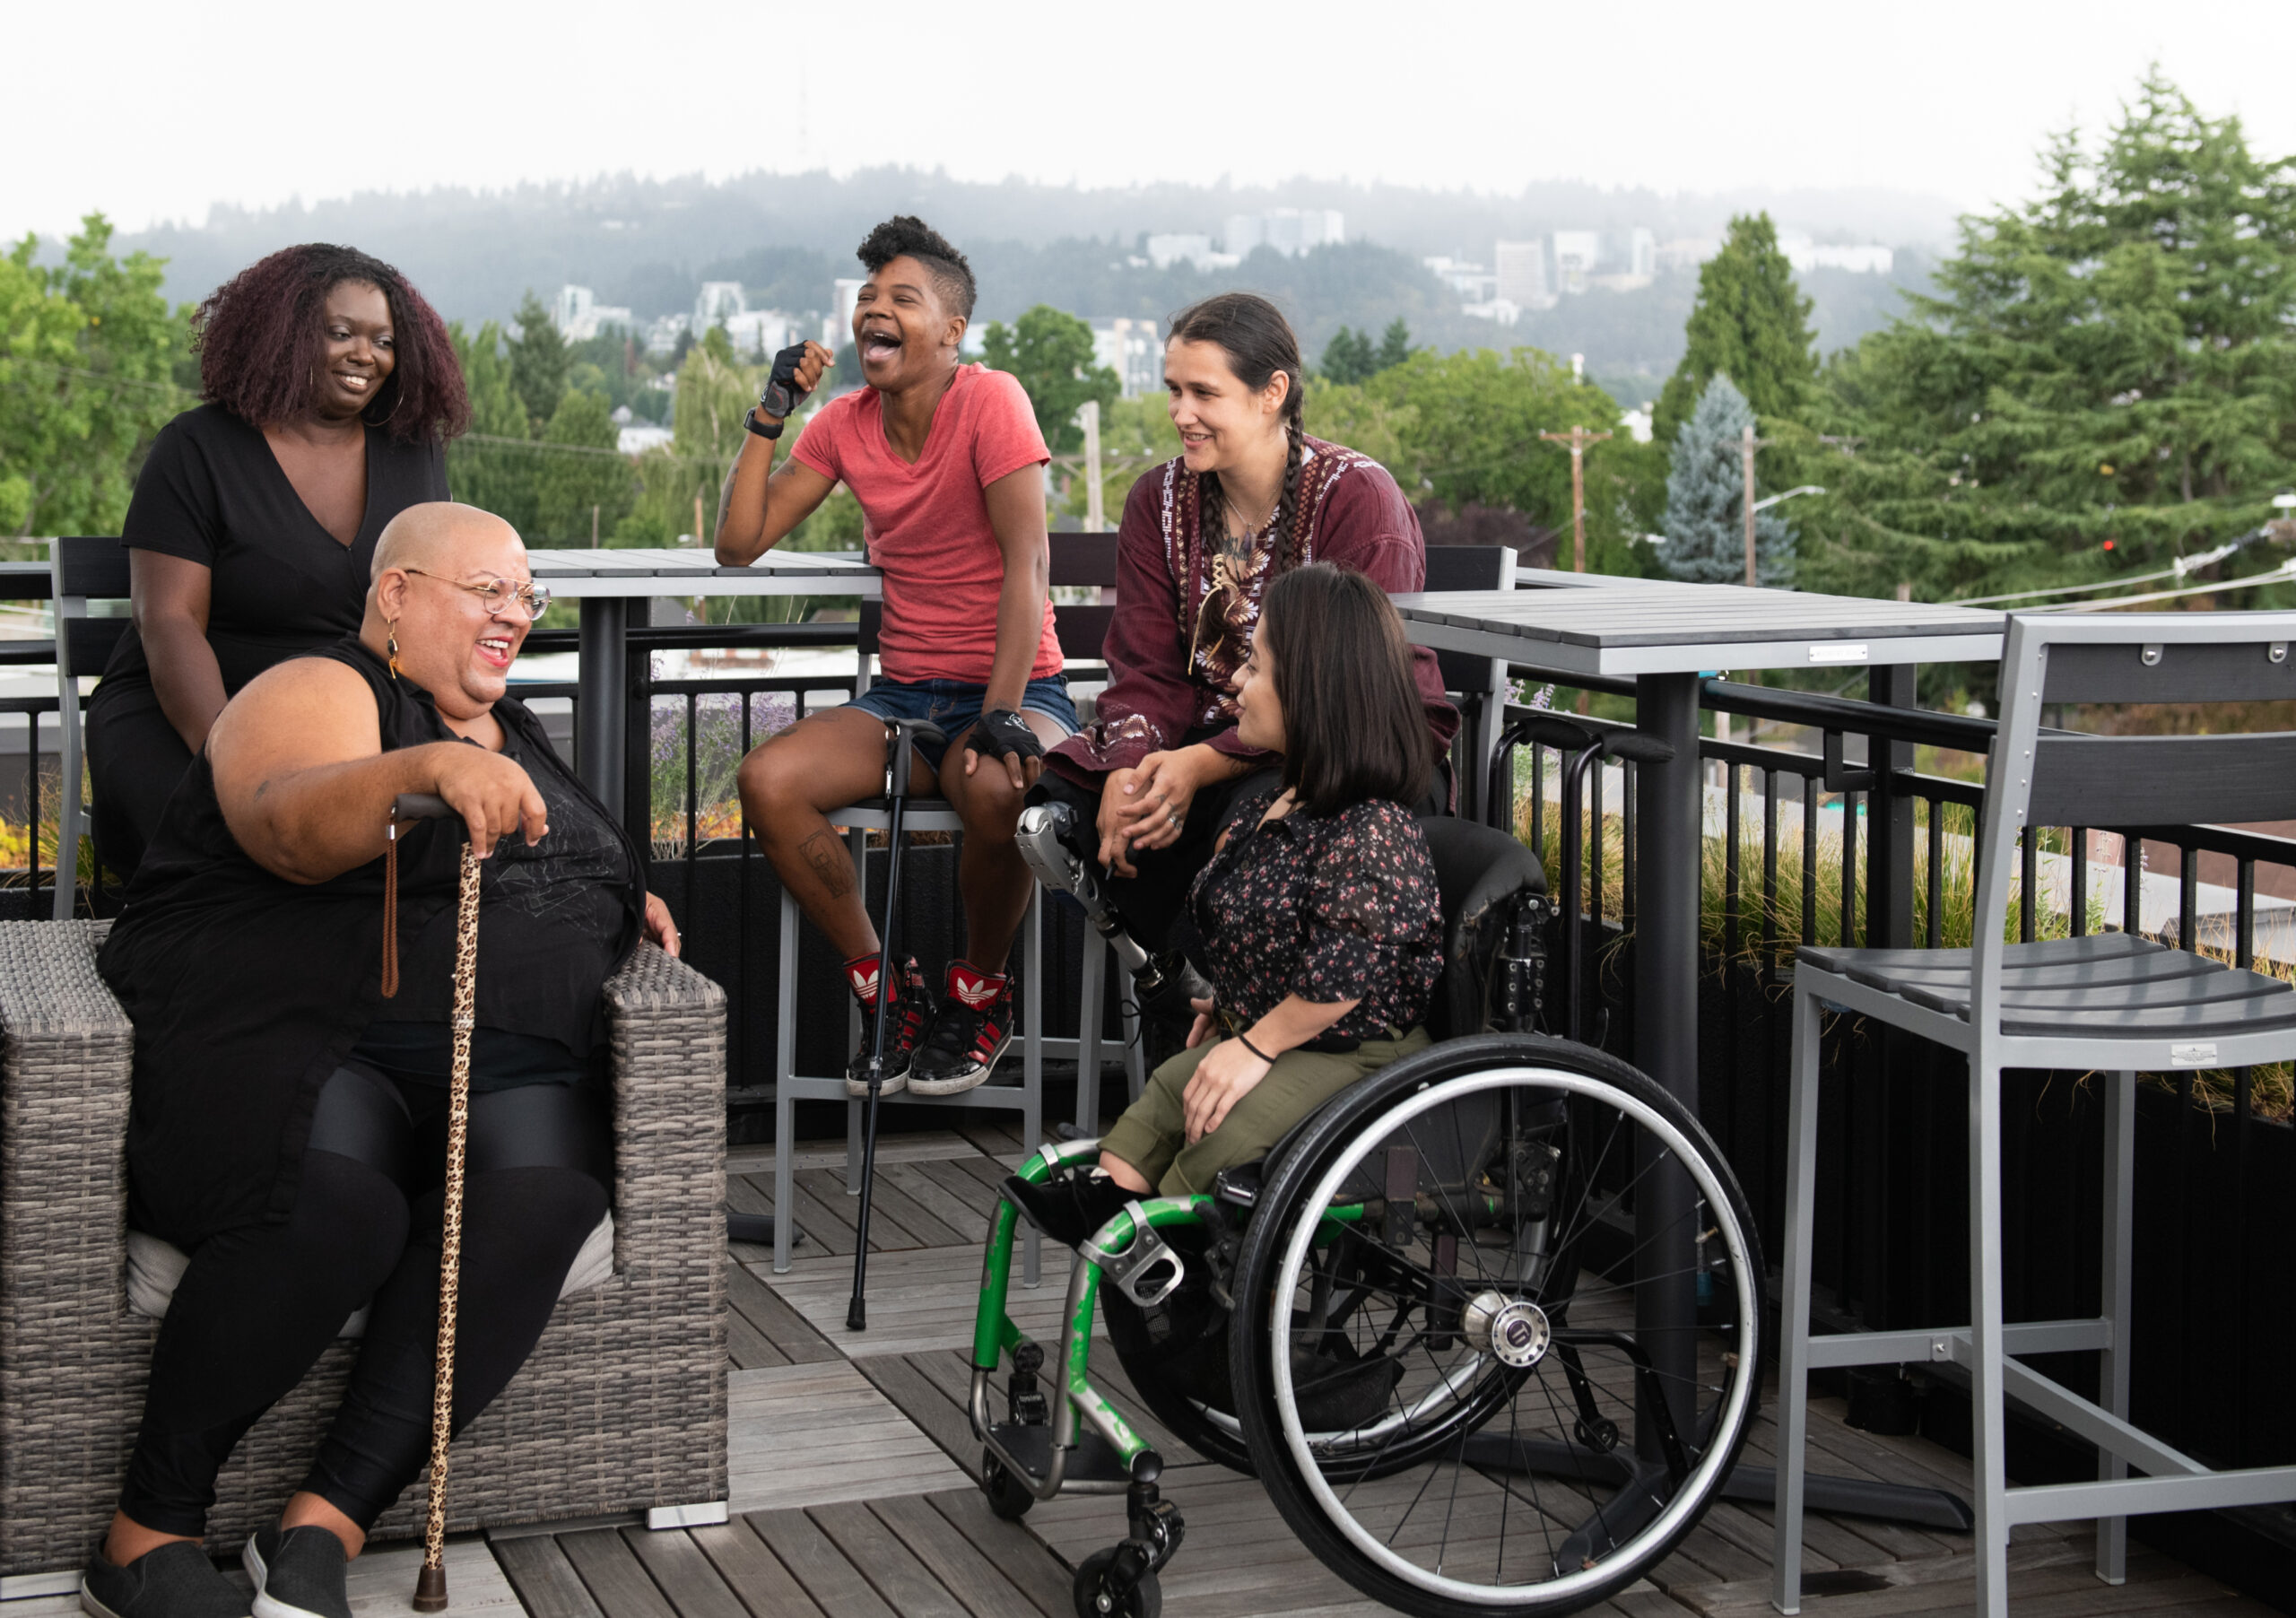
1577 254
662 337
839 328
1521 278
717 300
1505 311
761 333
1470 282
1288 230
580 316
1806 255
1687 252
1642 254
1167 251
1133 348
639 437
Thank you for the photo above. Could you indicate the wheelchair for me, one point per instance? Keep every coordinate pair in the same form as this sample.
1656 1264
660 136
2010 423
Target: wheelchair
1428 1321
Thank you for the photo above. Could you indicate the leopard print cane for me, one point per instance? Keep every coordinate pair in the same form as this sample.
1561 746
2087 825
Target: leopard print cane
431 1585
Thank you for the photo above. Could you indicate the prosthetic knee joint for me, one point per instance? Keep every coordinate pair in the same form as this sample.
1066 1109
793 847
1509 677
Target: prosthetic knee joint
1162 983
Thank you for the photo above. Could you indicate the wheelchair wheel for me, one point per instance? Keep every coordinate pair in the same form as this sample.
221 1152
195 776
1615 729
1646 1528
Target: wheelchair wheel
1476 1260
1176 1355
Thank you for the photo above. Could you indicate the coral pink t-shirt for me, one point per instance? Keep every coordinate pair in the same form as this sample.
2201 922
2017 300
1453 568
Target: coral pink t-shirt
928 524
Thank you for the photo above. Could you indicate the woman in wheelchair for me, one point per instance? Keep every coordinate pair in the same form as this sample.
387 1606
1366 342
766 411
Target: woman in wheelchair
1317 922
1427 1275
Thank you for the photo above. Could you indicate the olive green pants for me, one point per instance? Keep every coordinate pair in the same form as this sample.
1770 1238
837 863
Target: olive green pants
1152 1134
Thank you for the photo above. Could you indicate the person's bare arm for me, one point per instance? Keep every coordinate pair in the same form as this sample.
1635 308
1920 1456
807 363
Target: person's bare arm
307 789
169 598
1016 512
761 502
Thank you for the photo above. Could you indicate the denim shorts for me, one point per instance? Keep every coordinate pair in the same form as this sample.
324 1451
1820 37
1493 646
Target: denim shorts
954 705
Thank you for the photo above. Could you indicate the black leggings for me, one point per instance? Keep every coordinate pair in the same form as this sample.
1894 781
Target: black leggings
260 1305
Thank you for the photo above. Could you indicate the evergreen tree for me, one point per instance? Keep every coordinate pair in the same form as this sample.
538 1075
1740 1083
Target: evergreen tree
1706 492
1395 346
1050 351
491 467
2100 383
1347 359
538 363
1749 321
580 468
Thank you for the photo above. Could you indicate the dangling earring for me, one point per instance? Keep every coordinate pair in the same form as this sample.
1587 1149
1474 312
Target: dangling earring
390 643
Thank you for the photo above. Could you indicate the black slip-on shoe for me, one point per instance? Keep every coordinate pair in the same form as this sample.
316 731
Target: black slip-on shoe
298 1573
1070 1207
175 1582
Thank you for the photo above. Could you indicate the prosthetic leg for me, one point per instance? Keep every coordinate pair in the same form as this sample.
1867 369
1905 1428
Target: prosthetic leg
1163 984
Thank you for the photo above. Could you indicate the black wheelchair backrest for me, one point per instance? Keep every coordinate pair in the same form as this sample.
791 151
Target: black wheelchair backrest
1483 875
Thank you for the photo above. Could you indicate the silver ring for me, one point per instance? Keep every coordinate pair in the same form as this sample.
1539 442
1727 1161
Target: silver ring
1172 815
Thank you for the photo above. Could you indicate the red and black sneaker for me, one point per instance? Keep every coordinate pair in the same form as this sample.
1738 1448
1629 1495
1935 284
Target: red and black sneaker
912 1007
974 1026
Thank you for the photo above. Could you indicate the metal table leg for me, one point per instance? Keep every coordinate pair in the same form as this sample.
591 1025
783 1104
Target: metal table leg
1670 804
603 711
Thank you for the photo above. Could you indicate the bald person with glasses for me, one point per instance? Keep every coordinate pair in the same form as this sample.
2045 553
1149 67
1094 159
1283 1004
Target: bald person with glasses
288 1108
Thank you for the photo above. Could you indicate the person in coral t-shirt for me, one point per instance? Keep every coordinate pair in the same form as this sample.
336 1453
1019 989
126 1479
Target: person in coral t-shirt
948 464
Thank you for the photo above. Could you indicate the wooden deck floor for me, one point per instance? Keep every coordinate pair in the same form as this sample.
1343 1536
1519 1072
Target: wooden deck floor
853 1468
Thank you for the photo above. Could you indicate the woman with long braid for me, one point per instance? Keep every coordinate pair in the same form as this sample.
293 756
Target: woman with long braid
1251 496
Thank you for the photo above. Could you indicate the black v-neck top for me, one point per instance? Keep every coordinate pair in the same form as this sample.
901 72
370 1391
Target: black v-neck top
212 492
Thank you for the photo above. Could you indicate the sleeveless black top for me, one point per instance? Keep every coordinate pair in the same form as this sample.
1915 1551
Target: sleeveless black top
247 990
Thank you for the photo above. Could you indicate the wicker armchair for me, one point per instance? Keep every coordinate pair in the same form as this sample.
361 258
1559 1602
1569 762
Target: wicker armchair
621 1408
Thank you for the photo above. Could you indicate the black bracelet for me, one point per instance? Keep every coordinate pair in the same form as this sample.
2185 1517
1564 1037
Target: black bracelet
1245 1041
751 422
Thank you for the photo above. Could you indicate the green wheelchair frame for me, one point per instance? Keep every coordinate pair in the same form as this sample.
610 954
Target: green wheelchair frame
1127 1250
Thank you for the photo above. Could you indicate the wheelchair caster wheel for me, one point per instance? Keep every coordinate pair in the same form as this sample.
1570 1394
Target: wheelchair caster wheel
1006 1498
1600 1435
1097 1598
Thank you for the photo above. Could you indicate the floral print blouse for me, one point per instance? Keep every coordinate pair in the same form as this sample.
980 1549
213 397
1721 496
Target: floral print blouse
1344 907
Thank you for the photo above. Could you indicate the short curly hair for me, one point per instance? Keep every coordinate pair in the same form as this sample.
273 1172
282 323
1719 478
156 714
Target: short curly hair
259 338
906 236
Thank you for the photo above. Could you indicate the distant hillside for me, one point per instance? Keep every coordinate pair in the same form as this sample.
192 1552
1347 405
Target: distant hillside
648 244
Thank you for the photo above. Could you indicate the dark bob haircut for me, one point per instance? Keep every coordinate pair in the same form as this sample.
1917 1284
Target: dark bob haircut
260 339
1354 724
906 236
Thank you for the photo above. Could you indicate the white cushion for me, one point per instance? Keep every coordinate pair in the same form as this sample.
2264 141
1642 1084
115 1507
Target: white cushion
155 1268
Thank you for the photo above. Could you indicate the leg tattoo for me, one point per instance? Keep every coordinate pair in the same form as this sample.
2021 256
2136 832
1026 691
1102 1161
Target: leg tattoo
824 851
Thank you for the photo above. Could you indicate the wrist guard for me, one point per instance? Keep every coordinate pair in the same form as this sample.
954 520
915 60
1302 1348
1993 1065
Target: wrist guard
1003 733
781 394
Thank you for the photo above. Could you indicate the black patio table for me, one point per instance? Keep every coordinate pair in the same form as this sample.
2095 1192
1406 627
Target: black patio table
606 582
1665 637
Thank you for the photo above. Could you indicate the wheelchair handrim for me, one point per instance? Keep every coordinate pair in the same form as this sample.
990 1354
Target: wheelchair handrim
1688 1500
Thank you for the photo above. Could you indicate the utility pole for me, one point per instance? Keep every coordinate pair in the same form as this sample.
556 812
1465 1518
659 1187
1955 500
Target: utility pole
1747 445
1578 439
1095 516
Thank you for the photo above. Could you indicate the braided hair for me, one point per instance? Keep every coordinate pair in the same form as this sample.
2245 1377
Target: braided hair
1258 342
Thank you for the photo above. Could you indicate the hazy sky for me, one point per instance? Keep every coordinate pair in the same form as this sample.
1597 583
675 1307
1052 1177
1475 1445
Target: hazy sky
154 111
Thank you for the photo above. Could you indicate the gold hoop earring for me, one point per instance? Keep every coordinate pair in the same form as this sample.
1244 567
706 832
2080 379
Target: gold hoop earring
390 643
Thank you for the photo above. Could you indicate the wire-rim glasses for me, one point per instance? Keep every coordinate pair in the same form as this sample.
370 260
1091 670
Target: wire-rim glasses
534 598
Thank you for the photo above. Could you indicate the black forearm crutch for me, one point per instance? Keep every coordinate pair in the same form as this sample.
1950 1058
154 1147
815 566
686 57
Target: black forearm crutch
899 734
430 1584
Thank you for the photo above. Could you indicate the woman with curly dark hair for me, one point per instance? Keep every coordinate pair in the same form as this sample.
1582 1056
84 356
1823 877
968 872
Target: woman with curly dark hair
331 388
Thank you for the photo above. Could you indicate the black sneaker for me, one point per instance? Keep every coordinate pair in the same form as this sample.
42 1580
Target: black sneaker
912 1011
298 1573
974 1026
175 1582
1069 1206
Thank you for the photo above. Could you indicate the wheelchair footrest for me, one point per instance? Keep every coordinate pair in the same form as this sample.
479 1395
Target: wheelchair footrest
1094 1460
